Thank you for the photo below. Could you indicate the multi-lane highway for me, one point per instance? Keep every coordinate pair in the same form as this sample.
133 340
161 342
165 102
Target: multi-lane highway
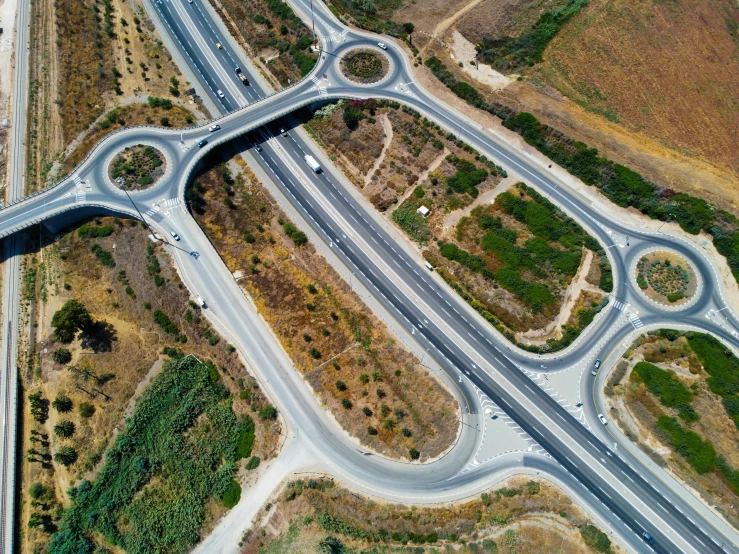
623 492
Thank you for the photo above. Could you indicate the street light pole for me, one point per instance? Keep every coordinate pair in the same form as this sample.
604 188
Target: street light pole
313 24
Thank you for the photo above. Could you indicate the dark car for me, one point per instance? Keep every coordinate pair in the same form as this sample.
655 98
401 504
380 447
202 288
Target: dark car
647 537
202 143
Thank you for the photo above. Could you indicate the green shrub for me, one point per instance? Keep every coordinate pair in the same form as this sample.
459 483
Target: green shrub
595 538
162 319
413 223
88 231
232 495
253 463
298 237
62 356
86 410
246 438
664 384
268 411
105 257
700 454
177 450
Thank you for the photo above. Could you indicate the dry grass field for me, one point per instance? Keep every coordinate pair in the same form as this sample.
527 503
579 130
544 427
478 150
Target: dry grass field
112 364
669 70
517 516
368 381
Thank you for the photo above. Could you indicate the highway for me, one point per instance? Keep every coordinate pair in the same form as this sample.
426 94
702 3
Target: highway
467 348
11 286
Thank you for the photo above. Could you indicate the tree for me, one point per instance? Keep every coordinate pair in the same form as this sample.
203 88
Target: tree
415 454
352 117
86 409
64 429
331 545
66 456
62 403
341 385
62 356
408 28
36 490
69 319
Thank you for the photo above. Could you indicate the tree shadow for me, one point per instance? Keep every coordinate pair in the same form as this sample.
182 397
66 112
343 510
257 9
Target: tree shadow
99 337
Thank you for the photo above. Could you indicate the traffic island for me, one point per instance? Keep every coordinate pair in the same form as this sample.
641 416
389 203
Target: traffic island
137 167
666 278
364 66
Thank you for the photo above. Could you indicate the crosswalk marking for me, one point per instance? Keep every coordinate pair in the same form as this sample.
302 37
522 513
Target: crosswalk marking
635 321
321 89
171 202
82 188
619 305
333 37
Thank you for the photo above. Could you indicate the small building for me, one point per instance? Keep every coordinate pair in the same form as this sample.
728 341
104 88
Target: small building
424 211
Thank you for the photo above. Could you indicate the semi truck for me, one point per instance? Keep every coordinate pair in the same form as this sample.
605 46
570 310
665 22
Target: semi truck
241 76
311 161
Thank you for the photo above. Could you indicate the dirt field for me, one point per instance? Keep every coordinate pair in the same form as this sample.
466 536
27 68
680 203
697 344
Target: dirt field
374 388
507 18
400 163
636 410
83 64
518 516
113 363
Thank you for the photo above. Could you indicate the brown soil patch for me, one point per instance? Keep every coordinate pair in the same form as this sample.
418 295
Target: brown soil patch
503 18
666 278
350 359
109 364
643 409
651 158
519 515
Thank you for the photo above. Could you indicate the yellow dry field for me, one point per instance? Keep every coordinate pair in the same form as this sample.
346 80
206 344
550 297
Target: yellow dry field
669 70
349 358
112 364
636 410
519 515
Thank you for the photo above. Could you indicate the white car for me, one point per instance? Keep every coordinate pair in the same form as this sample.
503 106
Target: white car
220 93
283 132
214 128
382 45
175 236
602 419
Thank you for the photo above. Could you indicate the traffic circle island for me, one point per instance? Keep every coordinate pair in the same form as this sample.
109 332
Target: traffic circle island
137 167
364 66
666 278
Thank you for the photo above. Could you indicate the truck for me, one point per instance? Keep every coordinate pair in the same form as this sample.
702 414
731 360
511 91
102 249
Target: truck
311 161
241 76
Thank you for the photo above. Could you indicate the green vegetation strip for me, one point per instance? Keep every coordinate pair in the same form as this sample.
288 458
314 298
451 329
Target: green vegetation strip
178 449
